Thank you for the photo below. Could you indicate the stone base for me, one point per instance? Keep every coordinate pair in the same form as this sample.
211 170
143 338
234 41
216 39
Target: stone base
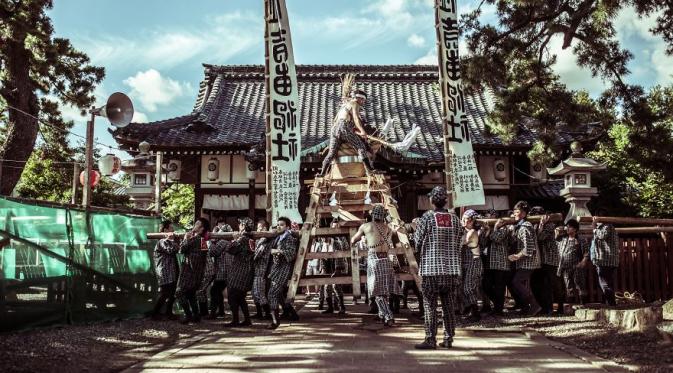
638 319
668 310
666 331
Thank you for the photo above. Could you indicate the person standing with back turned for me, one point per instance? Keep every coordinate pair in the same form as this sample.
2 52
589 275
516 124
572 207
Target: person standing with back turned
437 238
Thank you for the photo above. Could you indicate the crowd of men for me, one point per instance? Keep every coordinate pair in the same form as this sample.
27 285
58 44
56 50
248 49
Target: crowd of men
461 262
239 265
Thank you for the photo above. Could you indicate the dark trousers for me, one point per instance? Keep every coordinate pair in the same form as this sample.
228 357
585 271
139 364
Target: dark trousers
216 296
540 287
237 301
521 287
189 304
606 279
555 289
166 297
494 287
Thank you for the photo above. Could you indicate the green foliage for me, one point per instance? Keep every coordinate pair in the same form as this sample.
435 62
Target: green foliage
512 57
45 180
38 72
639 187
48 176
178 204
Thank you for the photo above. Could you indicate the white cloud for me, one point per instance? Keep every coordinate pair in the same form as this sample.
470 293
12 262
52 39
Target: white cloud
220 38
378 22
429 59
416 40
572 75
153 90
139 117
651 61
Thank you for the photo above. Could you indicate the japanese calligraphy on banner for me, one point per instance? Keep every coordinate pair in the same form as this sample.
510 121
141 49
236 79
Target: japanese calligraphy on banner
467 188
282 110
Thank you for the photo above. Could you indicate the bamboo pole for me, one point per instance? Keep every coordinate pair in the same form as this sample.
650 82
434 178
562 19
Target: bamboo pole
625 220
267 116
635 230
533 219
219 235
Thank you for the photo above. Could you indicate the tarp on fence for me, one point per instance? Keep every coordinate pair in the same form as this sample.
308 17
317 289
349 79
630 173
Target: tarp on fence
68 265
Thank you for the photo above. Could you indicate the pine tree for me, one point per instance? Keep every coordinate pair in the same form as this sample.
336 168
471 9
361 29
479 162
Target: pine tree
37 72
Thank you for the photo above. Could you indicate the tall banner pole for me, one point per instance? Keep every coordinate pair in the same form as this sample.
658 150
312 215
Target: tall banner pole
283 123
267 119
462 175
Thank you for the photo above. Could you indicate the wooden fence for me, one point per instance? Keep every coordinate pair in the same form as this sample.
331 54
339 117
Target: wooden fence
645 266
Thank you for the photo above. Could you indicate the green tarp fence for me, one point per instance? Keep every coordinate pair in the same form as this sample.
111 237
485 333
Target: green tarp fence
69 265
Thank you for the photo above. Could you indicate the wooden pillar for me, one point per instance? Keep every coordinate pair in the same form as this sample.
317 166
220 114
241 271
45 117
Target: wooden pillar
251 198
198 192
157 184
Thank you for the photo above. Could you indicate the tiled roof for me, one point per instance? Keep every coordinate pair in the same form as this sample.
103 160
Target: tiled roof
229 110
549 190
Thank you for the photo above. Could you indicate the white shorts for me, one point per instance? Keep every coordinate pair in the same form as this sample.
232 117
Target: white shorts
311 270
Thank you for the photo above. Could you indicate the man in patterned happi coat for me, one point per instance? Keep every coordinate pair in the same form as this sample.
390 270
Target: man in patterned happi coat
221 261
526 259
605 256
239 271
166 269
193 248
283 252
573 261
437 238
261 263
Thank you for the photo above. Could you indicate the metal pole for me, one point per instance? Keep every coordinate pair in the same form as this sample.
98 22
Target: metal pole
75 180
157 184
88 161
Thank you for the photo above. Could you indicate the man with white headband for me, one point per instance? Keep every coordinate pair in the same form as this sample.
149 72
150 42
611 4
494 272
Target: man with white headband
348 128
381 281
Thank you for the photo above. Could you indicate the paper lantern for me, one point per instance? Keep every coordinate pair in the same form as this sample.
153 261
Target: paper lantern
94 177
213 169
109 164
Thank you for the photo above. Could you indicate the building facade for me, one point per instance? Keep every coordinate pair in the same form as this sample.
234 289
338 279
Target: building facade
214 146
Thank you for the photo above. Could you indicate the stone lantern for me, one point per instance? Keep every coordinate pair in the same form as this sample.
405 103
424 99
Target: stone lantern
141 170
577 171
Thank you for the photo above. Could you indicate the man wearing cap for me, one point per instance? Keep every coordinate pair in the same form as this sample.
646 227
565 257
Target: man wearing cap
381 280
526 259
605 256
573 261
437 238
283 251
348 128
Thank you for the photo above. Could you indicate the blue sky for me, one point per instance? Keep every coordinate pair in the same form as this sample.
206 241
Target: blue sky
153 50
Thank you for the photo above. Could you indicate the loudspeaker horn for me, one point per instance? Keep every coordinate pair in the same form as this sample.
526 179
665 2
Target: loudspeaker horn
118 110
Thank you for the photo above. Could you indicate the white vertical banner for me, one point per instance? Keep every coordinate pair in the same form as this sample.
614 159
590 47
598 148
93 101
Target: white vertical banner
282 111
464 182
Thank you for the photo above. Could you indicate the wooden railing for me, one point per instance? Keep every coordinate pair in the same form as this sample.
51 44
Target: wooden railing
645 266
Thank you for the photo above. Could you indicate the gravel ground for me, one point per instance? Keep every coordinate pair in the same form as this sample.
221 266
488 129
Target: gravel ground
113 346
103 347
644 350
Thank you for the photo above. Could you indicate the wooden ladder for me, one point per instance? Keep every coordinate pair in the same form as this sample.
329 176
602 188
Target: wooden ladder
350 209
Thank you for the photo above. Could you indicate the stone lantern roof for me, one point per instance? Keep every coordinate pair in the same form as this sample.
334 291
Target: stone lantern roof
576 164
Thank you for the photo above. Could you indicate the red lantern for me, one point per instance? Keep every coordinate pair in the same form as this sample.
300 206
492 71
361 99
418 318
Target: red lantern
94 177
